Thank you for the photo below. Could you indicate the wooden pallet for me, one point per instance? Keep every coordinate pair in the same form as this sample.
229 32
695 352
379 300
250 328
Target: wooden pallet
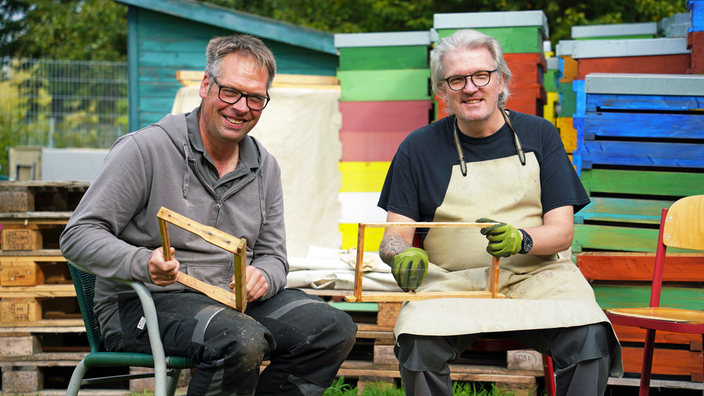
23 306
517 371
30 231
38 196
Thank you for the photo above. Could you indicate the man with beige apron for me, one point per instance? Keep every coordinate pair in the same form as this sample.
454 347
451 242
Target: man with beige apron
487 164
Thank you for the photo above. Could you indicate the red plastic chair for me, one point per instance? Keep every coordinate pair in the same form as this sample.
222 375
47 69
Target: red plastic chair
682 226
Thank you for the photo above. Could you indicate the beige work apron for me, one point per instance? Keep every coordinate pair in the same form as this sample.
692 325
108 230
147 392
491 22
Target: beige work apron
542 292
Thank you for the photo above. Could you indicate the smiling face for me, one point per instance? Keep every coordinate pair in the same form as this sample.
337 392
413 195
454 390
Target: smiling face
475 107
222 123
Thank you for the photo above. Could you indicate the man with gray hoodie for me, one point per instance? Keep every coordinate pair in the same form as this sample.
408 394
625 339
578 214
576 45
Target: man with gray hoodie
203 165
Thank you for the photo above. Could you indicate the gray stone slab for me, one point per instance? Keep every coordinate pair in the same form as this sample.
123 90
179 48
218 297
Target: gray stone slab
614 30
387 39
644 84
582 49
492 19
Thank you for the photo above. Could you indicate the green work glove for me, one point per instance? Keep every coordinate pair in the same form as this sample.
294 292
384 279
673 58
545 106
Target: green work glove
410 268
504 239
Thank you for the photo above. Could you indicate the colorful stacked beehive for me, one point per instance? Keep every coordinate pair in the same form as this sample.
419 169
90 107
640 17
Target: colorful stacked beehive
385 95
551 82
521 34
695 36
641 145
566 99
571 68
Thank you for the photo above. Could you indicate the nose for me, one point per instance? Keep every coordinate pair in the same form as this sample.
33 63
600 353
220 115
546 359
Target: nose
241 105
469 86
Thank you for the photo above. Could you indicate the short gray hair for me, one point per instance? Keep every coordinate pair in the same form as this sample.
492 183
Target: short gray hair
241 44
469 39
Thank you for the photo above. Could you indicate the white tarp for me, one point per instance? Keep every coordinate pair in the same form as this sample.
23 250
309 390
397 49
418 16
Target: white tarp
300 127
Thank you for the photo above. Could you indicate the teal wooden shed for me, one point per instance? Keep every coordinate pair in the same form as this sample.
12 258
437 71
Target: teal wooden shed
165 36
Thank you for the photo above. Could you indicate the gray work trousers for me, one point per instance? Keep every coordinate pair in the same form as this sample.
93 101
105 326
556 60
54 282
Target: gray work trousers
581 358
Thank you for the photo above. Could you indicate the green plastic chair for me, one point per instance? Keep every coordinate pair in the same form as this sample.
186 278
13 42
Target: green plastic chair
164 367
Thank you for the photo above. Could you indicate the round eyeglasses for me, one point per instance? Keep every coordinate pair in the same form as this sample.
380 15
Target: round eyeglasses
482 78
232 96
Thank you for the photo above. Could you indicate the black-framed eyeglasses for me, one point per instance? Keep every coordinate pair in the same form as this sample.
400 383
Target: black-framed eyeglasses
481 78
232 96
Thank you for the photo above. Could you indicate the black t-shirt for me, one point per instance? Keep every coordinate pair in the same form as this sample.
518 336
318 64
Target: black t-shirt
420 172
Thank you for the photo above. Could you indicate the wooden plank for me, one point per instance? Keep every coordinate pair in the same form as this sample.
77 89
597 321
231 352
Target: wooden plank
359 176
20 345
568 134
370 146
643 125
21 379
403 84
217 238
636 334
16 201
568 69
48 291
568 100
623 210
665 362
628 239
384 116
610 296
671 155
695 42
617 266
653 64
17 310
20 238
528 69
384 58
529 100
33 270
655 103
388 314
675 184
412 296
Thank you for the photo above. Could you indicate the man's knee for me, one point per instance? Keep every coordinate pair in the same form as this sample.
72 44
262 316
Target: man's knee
424 353
232 336
583 343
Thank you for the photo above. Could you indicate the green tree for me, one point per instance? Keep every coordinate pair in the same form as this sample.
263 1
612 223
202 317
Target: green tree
64 29
350 16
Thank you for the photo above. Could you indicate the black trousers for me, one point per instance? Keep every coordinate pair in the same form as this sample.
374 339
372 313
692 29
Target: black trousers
305 339
581 358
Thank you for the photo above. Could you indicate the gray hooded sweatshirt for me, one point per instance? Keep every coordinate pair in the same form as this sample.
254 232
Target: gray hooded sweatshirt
114 230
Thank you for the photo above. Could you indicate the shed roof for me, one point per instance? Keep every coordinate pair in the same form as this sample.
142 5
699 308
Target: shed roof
227 18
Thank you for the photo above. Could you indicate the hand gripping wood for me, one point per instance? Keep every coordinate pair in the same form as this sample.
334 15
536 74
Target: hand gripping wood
416 296
238 246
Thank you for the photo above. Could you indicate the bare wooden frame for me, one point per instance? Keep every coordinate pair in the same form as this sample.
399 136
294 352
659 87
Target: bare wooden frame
238 246
359 296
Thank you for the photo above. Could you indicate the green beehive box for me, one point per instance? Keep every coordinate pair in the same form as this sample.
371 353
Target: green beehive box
384 85
568 100
384 58
514 40
517 31
383 51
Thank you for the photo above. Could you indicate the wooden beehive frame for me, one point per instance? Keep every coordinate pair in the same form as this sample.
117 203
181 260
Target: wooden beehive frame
359 296
238 246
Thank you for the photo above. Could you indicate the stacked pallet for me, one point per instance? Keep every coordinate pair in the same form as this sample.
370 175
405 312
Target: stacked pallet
384 80
640 148
40 319
372 359
521 34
